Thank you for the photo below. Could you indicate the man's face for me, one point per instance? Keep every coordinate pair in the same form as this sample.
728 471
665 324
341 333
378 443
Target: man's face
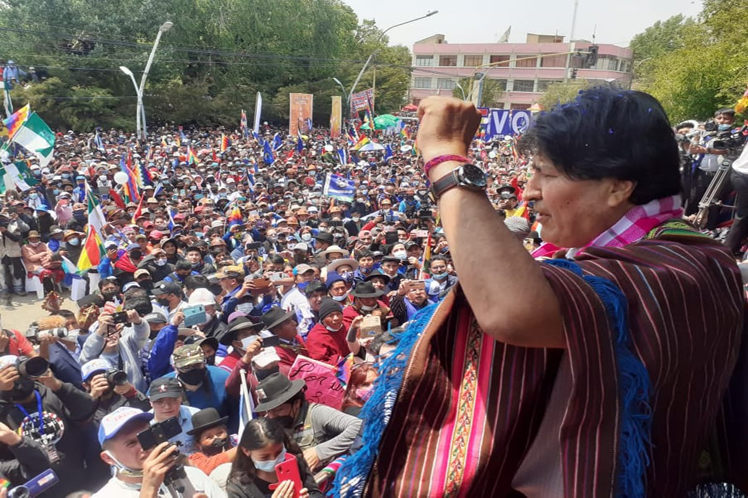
214 433
126 448
417 296
229 284
338 289
365 237
724 119
194 257
390 267
508 203
365 263
315 300
183 273
305 277
286 330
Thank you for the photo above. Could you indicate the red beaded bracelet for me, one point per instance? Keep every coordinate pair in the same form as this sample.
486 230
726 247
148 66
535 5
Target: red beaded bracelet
443 159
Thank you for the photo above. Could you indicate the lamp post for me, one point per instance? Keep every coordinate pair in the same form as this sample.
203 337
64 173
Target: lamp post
140 99
381 36
345 95
457 84
141 109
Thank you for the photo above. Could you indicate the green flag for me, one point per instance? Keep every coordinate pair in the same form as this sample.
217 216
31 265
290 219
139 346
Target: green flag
35 136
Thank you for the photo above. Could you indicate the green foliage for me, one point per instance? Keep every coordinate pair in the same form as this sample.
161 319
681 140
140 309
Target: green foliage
217 55
493 90
561 93
699 66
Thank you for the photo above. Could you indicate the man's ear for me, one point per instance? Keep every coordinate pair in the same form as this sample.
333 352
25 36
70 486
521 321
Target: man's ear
107 458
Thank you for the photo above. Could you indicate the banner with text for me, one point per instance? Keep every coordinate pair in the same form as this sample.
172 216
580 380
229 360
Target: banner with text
506 122
336 118
360 101
300 113
322 384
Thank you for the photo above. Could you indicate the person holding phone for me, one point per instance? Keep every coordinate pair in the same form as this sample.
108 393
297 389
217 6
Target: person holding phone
264 445
411 297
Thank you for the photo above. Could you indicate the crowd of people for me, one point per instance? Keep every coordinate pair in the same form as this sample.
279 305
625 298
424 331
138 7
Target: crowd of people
219 269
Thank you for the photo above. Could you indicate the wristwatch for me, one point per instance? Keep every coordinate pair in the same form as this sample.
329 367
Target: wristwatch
466 176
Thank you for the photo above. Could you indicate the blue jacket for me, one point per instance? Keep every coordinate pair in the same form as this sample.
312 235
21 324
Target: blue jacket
105 268
64 365
216 397
159 363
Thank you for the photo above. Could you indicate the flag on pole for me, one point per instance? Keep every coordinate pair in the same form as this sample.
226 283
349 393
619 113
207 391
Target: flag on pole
268 157
143 176
191 157
387 153
299 144
277 141
93 247
339 188
364 140
224 143
99 142
21 175
258 113
139 211
246 404
234 217
130 188
342 156
14 122
243 125
34 135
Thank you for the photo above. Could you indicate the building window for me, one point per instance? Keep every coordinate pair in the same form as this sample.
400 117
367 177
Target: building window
424 60
524 60
553 61
500 60
625 66
448 60
501 83
422 83
524 85
445 84
473 60
612 64
544 84
519 107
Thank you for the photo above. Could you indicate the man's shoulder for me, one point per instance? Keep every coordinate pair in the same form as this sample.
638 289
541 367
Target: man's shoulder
217 373
115 487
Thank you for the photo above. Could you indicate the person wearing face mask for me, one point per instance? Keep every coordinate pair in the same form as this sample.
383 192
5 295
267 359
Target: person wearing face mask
129 262
157 264
441 281
359 388
214 446
55 242
365 302
35 253
295 297
338 288
326 341
109 289
332 432
194 257
284 325
204 385
265 444
139 473
169 298
409 205
241 333
61 407
72 245
109 396
366 265
182 270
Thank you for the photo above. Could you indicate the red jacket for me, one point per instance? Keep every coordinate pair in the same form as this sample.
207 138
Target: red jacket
326 346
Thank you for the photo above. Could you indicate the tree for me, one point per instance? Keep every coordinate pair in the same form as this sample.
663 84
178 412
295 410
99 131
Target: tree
209 65
705 67
493 90
562 93
656 41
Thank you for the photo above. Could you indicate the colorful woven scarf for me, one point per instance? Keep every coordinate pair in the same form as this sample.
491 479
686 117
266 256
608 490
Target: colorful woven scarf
634 225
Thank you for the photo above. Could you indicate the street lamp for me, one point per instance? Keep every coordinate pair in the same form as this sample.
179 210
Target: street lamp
141 109
381 36
457 84
140 98
345 95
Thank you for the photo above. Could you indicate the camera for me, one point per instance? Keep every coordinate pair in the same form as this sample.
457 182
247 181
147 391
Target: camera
158 433
32 368
121 317
35 486
116 377
34 334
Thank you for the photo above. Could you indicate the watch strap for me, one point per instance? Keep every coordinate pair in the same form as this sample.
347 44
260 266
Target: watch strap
447 182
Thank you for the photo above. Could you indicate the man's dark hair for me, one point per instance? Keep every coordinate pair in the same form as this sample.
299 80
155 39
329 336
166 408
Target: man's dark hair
606 133
277 260
439 258
194 249
183 265
192 282
364 254
141 304
725 111
134 292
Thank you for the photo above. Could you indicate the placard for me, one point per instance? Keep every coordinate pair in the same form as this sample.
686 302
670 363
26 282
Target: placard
300 113
322 385
336 118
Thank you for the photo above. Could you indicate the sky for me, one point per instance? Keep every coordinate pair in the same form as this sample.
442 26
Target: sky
473 21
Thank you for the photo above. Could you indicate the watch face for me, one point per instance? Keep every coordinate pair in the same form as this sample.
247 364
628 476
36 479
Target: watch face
473 175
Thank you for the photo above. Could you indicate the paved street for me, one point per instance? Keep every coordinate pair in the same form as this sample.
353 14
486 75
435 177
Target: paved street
25 310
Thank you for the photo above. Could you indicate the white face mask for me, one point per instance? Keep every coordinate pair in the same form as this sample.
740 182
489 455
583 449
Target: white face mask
160 262
245 308
401 255
34 244
306 237
368 308
269 465
340 298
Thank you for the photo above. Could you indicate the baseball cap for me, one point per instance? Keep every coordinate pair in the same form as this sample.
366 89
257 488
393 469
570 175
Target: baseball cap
164 387
91 367
167 288
233 271
155 317
192 354
202 296
141 272
112 423
302 269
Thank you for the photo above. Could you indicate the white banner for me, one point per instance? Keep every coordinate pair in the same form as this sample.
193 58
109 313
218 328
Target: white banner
258 112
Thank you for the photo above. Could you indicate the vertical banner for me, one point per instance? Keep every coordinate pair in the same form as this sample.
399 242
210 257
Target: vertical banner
336 118
258 113
300 113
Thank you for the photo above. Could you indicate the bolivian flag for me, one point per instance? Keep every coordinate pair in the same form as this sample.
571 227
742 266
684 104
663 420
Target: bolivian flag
93 248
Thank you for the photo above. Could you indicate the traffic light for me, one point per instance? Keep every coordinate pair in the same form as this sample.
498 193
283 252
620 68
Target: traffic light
591 59
574 73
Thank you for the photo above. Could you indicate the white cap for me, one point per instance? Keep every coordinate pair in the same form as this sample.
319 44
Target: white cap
92 366
202 296
301 246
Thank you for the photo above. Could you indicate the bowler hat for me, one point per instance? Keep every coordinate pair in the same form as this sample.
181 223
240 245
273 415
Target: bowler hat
366 289
275 390
205 419
275 316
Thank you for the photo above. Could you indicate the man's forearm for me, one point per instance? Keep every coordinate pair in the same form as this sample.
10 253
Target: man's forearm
506 289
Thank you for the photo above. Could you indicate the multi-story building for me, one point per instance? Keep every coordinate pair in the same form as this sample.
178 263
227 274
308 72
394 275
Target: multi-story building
523 70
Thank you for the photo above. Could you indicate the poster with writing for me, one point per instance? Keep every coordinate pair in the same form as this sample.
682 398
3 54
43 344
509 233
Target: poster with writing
300 113
322 385
336 118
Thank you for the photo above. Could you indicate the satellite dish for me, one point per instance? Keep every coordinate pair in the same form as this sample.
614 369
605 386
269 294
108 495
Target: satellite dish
121 177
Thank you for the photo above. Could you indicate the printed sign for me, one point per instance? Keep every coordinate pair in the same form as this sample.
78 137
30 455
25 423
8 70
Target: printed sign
506 122
300 113
322 385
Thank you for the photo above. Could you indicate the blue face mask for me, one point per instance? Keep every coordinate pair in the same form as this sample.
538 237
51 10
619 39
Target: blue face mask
439 276
269 465
302 286
724 127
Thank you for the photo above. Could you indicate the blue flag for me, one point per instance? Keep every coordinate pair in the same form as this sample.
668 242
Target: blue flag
277 142
299 144
343 156
99 142
268 155
387 153
339 188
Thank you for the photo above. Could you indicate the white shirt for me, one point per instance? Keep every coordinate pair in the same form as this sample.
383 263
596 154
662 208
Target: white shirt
202 484
741 163
293 299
